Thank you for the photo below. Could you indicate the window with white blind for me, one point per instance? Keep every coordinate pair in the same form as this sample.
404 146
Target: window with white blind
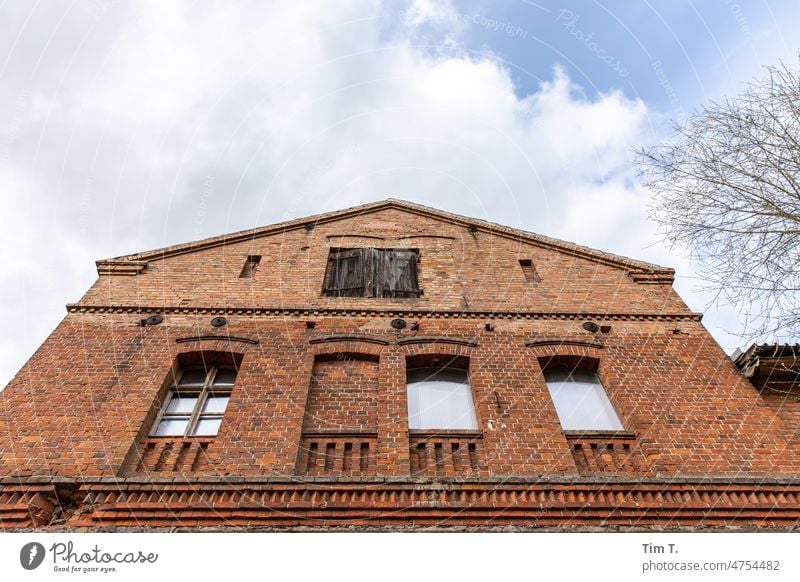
580 400
196 403
440 398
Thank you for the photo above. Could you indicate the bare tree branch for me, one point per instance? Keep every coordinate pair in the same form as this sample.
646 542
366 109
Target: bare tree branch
727 186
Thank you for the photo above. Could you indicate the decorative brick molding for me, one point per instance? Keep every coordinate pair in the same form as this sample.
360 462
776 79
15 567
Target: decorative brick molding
26 506
558 342
348 337
387 313
346 235
441 504
118 267
437 349
439 236
225 338
652 277
436 339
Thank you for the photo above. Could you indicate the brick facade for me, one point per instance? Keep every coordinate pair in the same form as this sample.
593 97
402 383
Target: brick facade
316 430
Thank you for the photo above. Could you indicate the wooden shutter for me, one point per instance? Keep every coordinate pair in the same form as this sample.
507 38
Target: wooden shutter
346 272
395 273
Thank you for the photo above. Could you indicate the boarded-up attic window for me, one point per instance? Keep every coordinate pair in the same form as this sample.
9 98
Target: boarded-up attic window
371 272
250 266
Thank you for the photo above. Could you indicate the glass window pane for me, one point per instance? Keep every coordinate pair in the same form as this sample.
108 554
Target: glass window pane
207 426
216 404
581 401
193 378
181 404
440 399
172 427
225 376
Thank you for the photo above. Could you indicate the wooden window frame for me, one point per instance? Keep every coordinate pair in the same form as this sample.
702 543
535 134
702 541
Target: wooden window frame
370 259
202 393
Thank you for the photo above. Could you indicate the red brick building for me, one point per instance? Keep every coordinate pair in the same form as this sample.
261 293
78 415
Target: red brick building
389 365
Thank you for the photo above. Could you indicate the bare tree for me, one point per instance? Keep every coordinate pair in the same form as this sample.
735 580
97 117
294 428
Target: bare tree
727 186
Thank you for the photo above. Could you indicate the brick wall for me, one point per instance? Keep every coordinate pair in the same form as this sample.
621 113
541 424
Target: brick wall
88 395
343 394
777 382
312 366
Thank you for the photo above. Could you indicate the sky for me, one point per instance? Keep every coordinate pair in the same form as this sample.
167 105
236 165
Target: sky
128 126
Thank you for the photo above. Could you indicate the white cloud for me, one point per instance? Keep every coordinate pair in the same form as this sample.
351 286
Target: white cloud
157 123
436 12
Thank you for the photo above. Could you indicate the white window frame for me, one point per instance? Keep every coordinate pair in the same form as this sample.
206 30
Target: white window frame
202 392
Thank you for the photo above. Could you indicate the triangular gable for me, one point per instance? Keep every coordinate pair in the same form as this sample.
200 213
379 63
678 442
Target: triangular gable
640 271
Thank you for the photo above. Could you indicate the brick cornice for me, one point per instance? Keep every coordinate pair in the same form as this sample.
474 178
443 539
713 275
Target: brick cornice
577 504
232 481
119 267
389 313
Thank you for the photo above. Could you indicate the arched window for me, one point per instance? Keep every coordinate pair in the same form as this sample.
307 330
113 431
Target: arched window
440 397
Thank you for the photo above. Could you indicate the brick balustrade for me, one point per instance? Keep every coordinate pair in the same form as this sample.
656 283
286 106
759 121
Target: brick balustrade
337 454
446 454
606 452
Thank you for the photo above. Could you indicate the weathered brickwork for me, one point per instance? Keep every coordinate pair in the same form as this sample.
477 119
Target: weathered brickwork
316 430
343 394
774 370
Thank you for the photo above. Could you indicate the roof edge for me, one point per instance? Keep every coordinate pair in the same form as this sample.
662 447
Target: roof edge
634 266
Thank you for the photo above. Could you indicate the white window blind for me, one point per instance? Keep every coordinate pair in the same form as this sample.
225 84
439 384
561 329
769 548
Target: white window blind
440 398
581 401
